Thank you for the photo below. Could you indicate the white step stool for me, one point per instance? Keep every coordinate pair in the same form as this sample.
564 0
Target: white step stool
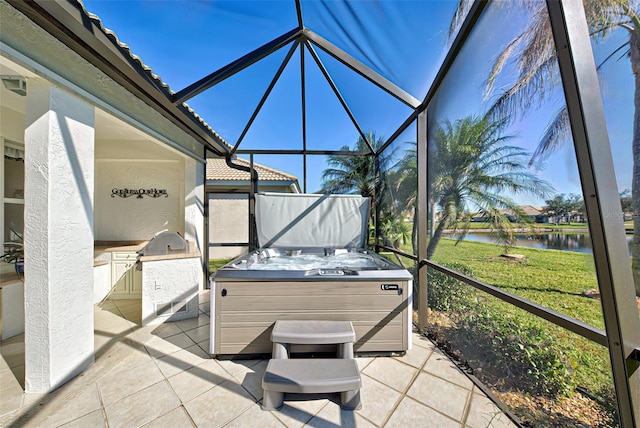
312 376
312 332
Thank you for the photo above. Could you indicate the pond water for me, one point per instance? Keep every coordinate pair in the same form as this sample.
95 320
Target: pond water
577 242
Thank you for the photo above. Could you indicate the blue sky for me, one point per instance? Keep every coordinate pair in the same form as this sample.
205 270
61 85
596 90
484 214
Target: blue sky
183 41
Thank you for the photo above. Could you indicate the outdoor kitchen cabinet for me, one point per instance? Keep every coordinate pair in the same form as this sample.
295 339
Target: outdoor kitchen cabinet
126 279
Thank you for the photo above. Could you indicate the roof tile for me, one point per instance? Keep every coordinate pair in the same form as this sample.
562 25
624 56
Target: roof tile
218 170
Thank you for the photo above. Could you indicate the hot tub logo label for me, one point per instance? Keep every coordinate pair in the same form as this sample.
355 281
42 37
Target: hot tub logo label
139 193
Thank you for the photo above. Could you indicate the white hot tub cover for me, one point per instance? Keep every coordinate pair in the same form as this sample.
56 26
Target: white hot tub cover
290 220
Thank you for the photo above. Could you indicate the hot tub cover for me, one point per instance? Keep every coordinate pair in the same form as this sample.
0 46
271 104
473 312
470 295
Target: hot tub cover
293 220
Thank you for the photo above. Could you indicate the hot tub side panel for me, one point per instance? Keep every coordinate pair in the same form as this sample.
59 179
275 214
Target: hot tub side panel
244 312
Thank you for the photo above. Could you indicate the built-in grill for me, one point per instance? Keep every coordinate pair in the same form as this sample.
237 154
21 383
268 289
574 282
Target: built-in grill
164 243
312 264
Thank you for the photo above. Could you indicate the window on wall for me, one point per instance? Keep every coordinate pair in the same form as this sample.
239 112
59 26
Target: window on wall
12 172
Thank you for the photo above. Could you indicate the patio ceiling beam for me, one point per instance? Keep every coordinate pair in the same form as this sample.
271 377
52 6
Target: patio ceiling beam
338 95
234 67
361 69
275 79
70 24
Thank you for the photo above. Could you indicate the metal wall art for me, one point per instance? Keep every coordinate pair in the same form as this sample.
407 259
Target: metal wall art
139 193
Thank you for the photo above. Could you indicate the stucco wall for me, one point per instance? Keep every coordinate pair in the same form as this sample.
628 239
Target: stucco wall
136 218
11 124
169 285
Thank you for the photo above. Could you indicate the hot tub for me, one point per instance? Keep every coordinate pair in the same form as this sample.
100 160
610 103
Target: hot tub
328 278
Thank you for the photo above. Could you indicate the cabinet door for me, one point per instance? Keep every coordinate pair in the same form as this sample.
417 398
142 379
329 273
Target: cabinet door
136 280
120 277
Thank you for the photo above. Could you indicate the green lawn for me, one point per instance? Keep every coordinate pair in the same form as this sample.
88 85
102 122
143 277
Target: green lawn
554 279
215 264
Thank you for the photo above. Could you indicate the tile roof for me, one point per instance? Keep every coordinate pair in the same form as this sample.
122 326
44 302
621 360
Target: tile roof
159 83
218 170
531 210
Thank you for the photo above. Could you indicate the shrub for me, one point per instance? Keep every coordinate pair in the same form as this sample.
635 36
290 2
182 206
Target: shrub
515 352
447 294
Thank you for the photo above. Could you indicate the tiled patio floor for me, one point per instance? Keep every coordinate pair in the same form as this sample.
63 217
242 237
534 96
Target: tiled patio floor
163 376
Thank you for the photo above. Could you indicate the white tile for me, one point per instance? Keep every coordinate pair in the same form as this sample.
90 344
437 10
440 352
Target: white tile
145 334
440 365
94 419
332 415
177 418
391 372
158 347
195 381
422 341
378 400
116 386
255 417
363 362
123 355
443 396
204 308
219 405
191 323
299 409
237 366
416 357
411 413
483 413
199 334
81 404
251 379
10 392
142 407
182 360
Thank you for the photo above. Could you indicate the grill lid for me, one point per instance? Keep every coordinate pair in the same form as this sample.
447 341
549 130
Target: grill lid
164 243
311 220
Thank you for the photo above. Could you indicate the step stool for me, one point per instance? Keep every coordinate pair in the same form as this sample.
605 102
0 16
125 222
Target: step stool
312 376
312 332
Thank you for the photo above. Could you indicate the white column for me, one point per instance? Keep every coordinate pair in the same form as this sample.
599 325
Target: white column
59 181
194 206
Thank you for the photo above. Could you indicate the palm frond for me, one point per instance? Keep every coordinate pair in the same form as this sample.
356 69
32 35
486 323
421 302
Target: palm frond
557 132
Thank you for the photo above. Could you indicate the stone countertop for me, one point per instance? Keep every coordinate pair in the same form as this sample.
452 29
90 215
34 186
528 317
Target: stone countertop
135 246
191 252
9 278
110 246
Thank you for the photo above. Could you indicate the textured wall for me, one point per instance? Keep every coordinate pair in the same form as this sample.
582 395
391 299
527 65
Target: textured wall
167 281
136 218
11 124
59 167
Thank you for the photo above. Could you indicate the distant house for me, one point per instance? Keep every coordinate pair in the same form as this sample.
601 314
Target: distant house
534 214
228 200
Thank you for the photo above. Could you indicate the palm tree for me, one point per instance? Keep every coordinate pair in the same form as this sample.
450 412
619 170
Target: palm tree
406 188
533 52
356 174
470 167
352 174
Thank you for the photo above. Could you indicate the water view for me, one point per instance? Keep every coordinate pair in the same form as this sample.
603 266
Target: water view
577 242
